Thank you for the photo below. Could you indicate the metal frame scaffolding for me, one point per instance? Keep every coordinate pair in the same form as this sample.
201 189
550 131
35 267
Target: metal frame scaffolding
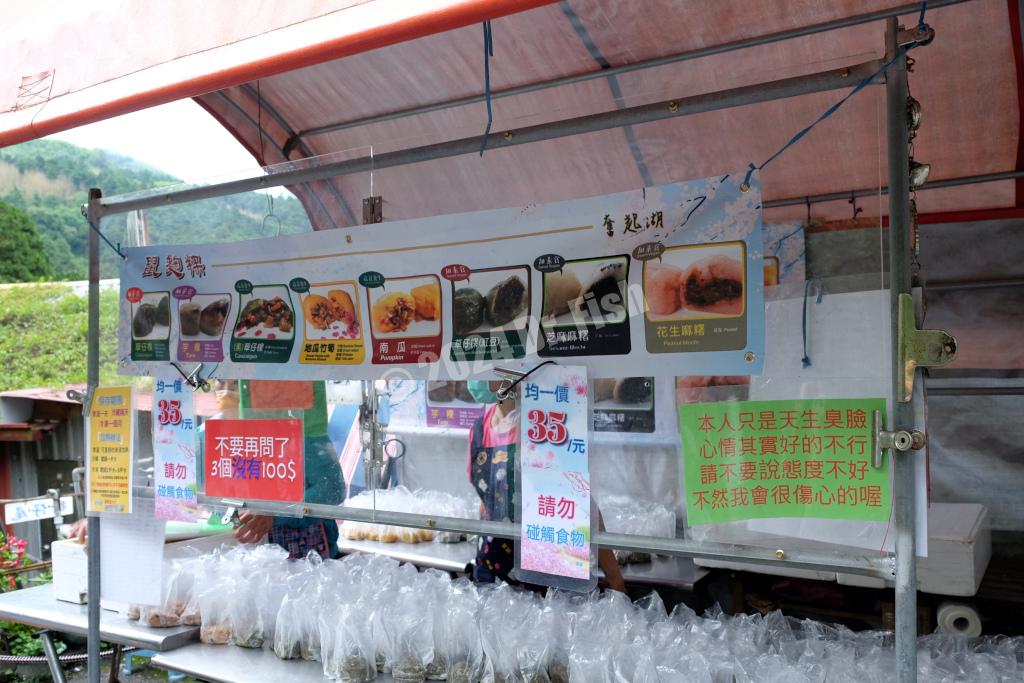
901 565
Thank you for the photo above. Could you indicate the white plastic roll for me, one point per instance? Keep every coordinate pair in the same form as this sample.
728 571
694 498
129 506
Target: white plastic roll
959 619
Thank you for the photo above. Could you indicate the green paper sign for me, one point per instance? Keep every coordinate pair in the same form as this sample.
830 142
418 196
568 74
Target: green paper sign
760 459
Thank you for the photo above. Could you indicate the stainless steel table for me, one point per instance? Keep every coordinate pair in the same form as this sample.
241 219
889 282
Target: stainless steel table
450 557
37 607
229 664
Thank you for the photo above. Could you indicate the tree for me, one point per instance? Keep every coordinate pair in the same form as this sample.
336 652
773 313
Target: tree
22 256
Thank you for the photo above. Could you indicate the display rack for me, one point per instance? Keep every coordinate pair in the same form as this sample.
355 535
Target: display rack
891 70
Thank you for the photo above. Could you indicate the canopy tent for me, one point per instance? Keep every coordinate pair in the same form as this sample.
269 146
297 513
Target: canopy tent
306 81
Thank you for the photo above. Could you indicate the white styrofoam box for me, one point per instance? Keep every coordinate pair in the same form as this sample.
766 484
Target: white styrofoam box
70 571
959 549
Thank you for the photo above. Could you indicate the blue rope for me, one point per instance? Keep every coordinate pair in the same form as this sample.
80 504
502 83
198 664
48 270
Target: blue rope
806 360
488 53
110 244
835 107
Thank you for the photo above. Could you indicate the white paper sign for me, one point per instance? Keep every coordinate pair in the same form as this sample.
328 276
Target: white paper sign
15 513
132 553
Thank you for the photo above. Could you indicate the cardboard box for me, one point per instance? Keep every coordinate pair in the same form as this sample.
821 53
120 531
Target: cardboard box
959 549
70 571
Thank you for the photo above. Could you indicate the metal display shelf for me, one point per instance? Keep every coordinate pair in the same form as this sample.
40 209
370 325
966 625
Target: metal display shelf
230 664
449 557
671 572
37 607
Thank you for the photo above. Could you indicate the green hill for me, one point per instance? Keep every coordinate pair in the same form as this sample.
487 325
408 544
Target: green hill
49 179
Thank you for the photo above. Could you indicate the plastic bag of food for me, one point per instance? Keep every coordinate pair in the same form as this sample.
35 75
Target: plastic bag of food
296 616
410 636
168 612
534 630
214 599
463 650
497 617
353 646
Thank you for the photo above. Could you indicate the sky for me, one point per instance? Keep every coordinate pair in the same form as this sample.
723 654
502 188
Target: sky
179 138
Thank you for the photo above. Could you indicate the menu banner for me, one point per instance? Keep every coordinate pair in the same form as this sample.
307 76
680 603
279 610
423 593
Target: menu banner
110 435
555 475
803 458
174 447
666 280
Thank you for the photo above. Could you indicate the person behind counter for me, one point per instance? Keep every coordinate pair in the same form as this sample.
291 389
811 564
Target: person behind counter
323 479
493 442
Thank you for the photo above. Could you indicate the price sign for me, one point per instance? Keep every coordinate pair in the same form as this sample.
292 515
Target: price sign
547 427
254 459
174 447
555 543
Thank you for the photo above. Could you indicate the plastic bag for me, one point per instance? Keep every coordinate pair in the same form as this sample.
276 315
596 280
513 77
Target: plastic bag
296 616
214 597
410 636
172 603
462 648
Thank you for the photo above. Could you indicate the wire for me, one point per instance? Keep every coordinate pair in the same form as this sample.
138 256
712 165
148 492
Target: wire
110 244
488 53
900 53
508 390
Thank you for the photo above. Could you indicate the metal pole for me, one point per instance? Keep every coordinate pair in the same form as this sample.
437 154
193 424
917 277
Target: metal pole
902 413
873 191
93 379
658 111
52 659
709 51
864 565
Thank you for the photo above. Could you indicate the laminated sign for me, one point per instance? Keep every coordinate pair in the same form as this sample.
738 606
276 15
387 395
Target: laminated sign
805 458
555 474
666 280
174 447
110 434
254 459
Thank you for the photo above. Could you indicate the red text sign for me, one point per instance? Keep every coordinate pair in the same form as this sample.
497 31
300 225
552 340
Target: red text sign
254 459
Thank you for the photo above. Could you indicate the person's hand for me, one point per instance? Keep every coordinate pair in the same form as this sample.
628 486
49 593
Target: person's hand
254 527
615 583
79 531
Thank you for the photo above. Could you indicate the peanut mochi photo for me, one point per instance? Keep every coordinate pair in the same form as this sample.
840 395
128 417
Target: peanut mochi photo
704 281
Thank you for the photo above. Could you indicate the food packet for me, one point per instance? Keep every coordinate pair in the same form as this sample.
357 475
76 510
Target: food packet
495 630
168 612
410 637
214 598
463 650
295 617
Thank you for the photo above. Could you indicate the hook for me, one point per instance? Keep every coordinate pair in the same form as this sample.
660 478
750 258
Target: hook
270 214
853 201
194 379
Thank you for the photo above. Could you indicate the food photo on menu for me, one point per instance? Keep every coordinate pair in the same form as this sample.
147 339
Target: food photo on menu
330 312
406 307
490 300
151 317
703 281
266 313
405 319
586 291
203 316
623 404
